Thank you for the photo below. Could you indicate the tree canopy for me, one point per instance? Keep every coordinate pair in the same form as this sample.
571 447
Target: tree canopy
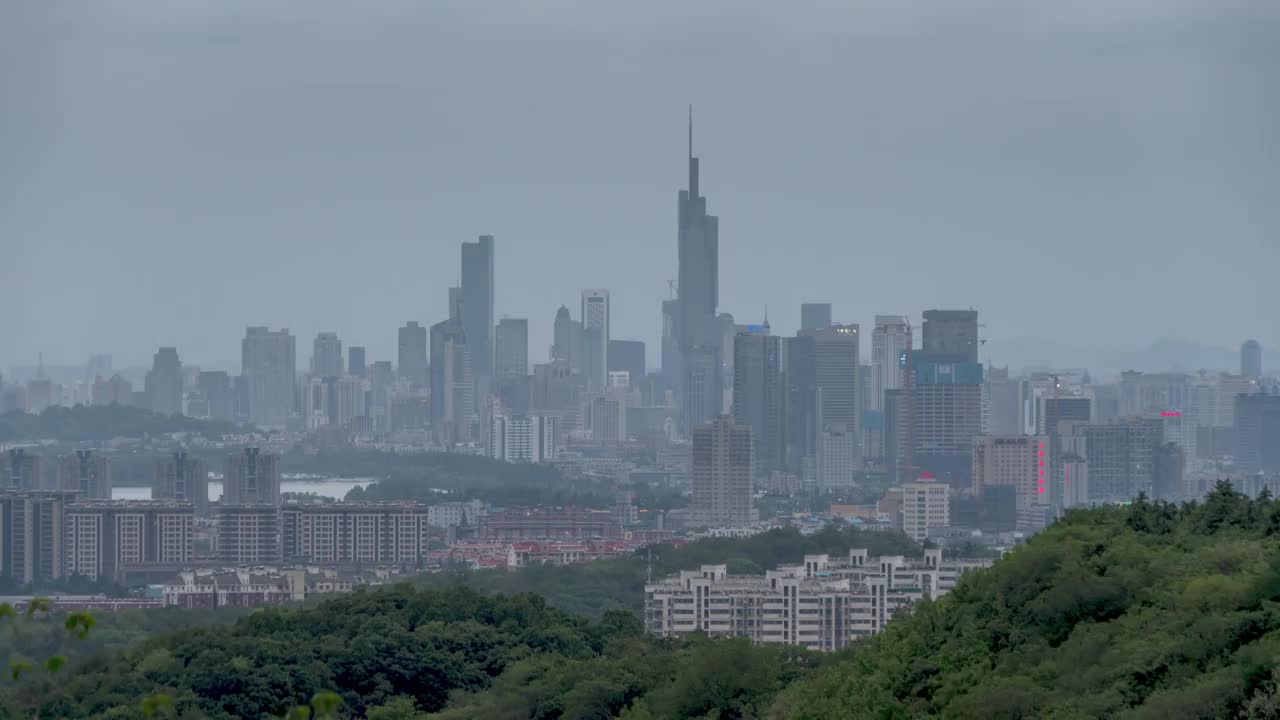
1151 611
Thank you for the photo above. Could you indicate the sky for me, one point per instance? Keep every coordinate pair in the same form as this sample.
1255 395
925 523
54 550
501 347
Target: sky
1096 173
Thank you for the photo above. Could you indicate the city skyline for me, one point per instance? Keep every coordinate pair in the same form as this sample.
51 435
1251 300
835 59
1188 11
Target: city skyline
817 213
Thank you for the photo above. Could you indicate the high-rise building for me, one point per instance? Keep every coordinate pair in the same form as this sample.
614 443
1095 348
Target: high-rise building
1121 457
835 367
565 333
412 359
815 316
477 312
1251 360
32 535
944 401
835 457
671 358
333 401
218 393
326 356
1257 430
721 473
1018 461
356 534
595 338
1002 403
249 534
453 399
522 438
890 340
1057 409
1170 465
607 417
355 361
113 391
926 503
22 470
99 366
951 336
251 477
87 473
895 434
164 382
627 356
120 539
698 293
758 390
801 378
511 348
1070 456
268 368
183 478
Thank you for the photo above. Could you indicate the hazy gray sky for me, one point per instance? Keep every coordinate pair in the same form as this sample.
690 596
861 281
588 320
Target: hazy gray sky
1098 172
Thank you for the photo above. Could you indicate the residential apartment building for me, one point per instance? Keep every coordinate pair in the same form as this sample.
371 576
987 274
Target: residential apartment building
523 438
120 539
820 604
183 478
355 533
248 534
722 468
32 537
87 473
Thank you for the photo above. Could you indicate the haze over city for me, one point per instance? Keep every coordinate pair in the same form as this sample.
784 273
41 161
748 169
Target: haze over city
1101 174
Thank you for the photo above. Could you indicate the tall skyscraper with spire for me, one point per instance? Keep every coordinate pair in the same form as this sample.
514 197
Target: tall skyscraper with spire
698 294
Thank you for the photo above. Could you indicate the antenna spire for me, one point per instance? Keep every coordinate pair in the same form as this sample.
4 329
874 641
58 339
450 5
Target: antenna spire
691 131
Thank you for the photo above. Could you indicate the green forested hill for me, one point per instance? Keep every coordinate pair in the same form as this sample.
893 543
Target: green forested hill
1150 612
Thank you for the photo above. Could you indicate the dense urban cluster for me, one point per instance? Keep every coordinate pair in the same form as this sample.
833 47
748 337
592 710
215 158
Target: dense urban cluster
738 433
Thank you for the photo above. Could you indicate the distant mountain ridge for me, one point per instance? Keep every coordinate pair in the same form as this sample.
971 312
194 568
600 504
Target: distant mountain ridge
1161 355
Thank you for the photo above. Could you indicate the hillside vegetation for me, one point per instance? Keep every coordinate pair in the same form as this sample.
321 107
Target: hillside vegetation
99 423
1153 611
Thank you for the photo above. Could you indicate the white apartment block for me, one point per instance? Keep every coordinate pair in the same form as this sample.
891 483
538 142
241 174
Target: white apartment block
819 604
926 503
522 438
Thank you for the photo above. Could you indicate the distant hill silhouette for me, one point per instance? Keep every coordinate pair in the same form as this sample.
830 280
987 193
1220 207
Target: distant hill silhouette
1161 355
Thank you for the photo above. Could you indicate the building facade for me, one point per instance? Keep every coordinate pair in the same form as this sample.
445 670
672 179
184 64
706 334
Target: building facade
251 477
926 504
185 479
522 438
248 534
758 401
123 539
268 370
32 535
366 534
821 604
721 473
87 473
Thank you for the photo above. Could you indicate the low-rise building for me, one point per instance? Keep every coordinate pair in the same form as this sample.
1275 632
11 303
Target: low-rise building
548 523
818 604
